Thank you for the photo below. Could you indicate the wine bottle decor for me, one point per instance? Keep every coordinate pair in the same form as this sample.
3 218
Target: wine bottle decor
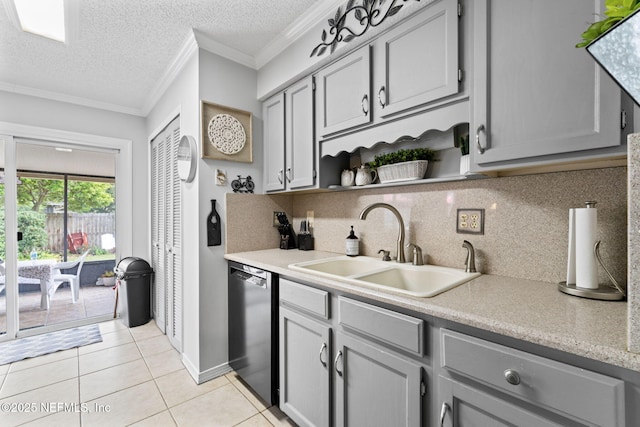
213 226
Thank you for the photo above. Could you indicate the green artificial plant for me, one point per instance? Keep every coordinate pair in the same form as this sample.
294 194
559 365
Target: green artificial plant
402 156
616 11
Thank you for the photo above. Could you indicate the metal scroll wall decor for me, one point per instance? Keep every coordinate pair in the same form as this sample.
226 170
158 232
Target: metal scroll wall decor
354 22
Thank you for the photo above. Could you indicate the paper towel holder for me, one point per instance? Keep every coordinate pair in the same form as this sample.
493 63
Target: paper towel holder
603 292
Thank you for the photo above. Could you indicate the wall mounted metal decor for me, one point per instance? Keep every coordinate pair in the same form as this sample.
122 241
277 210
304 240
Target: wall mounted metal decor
243 185
354 22
225 133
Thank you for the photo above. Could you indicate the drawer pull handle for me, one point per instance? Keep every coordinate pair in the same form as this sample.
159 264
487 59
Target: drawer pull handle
512 377
443 413
280 176
335 363
322 349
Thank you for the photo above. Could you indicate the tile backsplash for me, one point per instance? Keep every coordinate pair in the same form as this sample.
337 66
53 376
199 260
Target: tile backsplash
526 220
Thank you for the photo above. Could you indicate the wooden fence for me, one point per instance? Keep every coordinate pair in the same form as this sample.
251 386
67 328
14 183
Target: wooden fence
94 225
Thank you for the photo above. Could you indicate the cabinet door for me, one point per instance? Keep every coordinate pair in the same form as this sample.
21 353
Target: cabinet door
343 93
535 94
417 62
274 140
463 405
304 369
300 170
374 387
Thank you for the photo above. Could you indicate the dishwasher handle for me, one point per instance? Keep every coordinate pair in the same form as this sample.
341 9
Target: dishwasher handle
254 277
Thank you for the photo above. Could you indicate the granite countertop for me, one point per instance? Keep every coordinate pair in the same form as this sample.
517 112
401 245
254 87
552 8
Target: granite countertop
528 310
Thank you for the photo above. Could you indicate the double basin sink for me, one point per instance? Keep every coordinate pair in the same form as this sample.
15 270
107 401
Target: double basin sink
415 280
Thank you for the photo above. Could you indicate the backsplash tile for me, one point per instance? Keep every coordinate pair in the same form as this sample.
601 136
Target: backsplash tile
526 220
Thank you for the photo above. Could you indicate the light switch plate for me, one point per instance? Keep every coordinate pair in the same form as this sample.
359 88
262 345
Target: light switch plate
470 221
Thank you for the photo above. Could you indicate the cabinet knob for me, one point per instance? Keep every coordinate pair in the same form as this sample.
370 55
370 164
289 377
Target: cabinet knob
365 104
322 349
512 377
481 149
382 93
335 363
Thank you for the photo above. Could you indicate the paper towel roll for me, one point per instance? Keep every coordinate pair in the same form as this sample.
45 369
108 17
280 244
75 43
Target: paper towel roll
571 257
586 233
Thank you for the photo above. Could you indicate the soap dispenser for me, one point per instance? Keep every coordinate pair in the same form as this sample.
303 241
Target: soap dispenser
352 244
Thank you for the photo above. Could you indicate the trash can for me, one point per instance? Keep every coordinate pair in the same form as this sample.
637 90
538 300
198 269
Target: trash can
134 295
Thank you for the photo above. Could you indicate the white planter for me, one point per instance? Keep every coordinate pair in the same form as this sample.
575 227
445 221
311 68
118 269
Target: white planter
109 281
405 171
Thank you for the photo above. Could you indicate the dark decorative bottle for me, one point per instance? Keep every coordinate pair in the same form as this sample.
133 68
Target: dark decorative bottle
213 227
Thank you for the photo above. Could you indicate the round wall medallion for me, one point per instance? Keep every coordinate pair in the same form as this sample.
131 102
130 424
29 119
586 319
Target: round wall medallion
187 158
227 134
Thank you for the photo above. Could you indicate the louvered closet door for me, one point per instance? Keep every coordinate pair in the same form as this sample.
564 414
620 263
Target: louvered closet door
166 233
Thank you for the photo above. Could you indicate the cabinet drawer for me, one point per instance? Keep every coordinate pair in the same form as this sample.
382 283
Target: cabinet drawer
582 395
304 298
399 330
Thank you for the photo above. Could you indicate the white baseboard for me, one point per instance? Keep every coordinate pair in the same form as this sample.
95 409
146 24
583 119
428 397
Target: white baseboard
209 374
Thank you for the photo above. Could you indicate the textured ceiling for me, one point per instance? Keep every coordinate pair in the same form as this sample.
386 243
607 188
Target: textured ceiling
123 47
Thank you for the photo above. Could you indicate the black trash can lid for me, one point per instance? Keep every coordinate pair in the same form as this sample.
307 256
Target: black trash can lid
132 266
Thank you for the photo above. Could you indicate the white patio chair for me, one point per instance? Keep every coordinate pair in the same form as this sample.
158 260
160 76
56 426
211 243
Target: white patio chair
74 279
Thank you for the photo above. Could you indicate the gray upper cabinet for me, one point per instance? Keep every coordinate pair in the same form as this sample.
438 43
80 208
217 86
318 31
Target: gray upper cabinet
289 138
344 98
300 169
274 140
534 93
417 62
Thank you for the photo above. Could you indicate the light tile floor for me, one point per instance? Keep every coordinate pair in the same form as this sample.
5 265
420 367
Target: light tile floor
133 377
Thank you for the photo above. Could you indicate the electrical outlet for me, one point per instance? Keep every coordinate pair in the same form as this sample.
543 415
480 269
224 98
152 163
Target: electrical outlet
470 221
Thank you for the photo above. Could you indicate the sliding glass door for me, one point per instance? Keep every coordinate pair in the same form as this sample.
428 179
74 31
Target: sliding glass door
61 201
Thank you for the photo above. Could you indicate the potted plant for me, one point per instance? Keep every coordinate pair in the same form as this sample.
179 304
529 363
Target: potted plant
108 278
402 165
615 11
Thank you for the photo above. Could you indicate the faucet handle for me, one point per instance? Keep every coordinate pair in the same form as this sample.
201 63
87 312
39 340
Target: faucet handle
470 263
385 255
417 254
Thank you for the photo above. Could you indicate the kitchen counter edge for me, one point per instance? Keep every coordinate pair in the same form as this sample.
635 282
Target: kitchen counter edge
527 310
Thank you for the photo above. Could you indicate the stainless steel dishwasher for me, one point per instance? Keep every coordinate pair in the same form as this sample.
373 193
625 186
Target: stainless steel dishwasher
253 328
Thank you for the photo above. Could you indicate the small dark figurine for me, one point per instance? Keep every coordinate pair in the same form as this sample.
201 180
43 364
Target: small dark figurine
243 185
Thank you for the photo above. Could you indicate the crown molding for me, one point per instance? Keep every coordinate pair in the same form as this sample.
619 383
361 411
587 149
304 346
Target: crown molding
188 49
69 99
210 45
319 11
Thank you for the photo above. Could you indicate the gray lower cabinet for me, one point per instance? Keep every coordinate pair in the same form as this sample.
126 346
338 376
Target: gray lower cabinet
375 387
536 98
371 384
304 368
481 380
